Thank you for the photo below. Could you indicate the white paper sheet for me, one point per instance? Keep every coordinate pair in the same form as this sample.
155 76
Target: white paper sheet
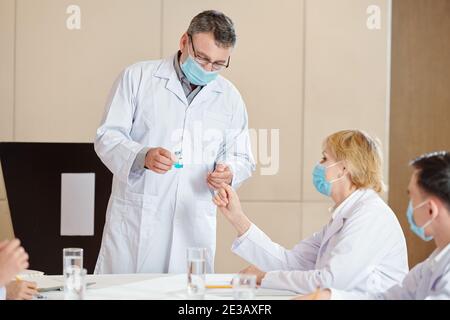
174 287
77 204
171 287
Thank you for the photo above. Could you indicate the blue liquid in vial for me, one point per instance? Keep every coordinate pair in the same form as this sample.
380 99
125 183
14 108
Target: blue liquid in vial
178 165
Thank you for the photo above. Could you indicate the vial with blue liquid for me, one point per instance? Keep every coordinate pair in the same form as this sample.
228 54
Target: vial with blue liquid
179 162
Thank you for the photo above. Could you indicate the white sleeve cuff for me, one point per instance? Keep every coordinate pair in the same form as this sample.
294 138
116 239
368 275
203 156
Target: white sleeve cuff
2 293
270 280
242 238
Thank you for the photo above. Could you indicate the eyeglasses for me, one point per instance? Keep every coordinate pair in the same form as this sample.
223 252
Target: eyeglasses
216 66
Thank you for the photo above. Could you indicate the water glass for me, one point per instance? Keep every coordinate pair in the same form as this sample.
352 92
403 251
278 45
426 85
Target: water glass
196 264
72 258
74 283
244 286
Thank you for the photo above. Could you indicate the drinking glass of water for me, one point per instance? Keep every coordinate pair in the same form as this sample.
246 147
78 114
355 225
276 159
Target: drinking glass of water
73 258
74 283
244 286
196 263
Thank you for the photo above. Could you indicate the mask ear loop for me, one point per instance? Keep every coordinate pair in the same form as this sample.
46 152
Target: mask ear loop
429 221
337 179
333 164
420 204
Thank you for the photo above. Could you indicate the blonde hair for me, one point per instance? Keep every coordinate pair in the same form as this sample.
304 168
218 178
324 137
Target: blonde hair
362 156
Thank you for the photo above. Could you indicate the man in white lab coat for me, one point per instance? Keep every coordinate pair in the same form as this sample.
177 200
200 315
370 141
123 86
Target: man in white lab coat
429 218
173 131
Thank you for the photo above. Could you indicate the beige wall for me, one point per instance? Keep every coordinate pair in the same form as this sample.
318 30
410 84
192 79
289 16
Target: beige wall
306 67
7 24
63 74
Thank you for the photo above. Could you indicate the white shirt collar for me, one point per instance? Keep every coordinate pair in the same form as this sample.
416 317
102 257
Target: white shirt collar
439 256
335 211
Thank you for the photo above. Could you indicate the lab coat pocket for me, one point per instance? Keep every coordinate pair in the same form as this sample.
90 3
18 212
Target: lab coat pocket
214 120
115 217
148 217
140 216
144 184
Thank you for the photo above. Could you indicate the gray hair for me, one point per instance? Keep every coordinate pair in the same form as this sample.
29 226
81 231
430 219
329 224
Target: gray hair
216 22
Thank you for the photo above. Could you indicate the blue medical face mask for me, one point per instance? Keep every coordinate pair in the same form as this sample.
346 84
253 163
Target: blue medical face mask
196 74
320 179
419 231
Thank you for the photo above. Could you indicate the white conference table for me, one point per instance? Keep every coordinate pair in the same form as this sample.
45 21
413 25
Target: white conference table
148 287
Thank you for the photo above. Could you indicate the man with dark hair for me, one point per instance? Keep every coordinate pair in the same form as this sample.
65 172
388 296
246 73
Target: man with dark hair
429 218
174 130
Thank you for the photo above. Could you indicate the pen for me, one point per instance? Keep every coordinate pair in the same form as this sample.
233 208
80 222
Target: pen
87 285
219 287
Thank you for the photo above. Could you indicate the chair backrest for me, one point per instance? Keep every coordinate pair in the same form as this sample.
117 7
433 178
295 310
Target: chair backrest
32 175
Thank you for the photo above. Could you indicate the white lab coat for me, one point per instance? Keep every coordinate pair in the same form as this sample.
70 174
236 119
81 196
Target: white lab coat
2 293
152 218
429 280
362 248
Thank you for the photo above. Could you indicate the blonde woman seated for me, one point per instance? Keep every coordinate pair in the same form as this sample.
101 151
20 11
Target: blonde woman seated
361 249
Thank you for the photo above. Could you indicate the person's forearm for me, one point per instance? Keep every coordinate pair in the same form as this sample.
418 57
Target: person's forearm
241 223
